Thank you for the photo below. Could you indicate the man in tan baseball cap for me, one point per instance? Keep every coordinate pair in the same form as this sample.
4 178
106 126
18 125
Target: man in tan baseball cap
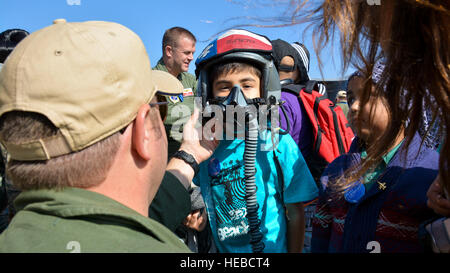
341 101
79 118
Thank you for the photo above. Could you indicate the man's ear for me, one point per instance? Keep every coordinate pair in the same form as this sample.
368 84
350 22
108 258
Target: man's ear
141 133
168 50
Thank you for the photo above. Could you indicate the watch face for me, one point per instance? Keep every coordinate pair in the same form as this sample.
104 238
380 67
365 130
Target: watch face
189 159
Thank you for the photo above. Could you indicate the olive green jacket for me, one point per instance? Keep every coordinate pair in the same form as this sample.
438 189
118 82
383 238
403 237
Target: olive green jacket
77 220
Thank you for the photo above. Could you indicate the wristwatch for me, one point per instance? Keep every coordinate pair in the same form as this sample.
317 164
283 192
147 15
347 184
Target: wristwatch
188 158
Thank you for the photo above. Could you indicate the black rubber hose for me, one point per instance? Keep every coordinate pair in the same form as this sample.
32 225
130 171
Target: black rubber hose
251 144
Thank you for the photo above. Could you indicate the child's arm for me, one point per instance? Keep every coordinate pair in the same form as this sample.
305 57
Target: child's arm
299 187
295 227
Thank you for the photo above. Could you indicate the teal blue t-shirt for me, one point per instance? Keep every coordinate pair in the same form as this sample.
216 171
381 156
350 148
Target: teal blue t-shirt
221 179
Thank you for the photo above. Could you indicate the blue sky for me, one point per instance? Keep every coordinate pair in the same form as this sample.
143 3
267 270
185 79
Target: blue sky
150 18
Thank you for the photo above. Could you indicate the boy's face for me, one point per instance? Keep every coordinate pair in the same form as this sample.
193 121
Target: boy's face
248 81
373 117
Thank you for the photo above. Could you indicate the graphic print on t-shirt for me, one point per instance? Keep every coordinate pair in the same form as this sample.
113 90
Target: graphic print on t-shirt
228 188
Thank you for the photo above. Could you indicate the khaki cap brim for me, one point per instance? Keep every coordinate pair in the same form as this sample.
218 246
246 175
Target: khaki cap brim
166 83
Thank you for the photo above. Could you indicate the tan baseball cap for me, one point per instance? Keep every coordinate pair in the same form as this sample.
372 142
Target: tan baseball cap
341 93
89 79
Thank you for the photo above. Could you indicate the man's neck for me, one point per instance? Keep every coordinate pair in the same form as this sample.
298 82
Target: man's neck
170 69
125 189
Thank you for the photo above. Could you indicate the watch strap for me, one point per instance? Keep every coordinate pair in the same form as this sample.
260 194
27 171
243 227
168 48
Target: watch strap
188 158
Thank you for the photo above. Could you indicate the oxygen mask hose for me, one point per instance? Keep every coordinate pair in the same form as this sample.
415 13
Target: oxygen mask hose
251 144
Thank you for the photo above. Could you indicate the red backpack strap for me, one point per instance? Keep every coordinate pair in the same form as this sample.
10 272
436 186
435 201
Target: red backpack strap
310 86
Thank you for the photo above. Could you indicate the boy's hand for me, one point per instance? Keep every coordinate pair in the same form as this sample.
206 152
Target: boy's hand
196 220
437 200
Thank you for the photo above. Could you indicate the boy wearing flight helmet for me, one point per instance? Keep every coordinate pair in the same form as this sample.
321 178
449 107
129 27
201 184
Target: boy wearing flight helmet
249 184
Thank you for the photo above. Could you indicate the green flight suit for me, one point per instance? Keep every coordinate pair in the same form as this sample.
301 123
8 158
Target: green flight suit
78 220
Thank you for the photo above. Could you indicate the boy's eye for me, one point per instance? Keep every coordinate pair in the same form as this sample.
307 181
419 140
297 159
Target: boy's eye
247 85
